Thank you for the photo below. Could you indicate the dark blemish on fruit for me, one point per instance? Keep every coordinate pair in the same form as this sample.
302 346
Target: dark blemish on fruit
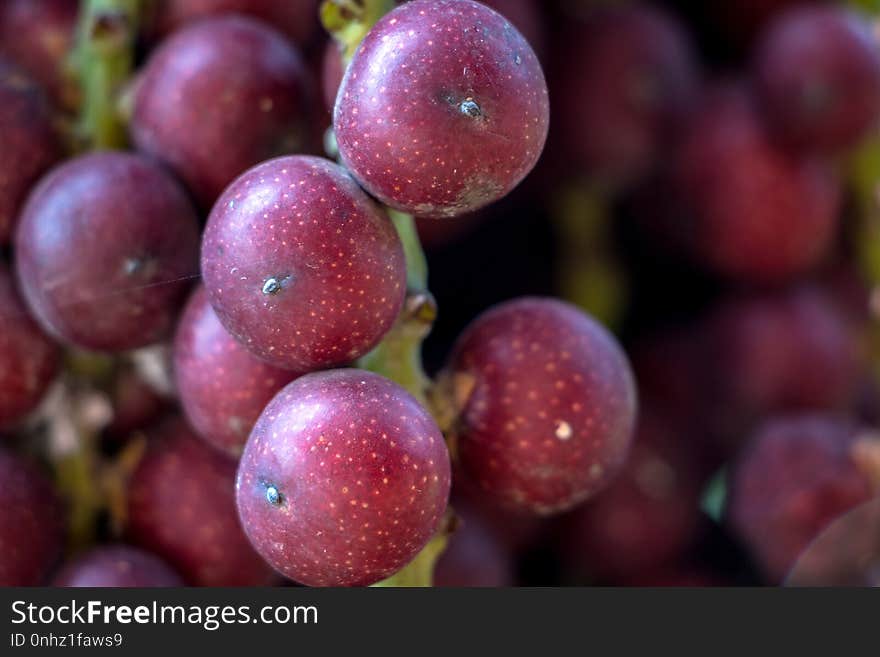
273 496
471 108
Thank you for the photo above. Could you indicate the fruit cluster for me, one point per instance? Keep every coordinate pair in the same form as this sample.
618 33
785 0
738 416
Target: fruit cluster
215 310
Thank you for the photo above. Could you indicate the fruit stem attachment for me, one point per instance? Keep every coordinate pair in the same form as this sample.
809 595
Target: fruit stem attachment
348 21
103 60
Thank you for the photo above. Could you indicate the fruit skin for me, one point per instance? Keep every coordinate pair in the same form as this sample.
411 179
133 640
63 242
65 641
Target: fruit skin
301 266
817 72
795 477
28 143
550 417
116 566
31 523
474 556
181 507
646 519
105 247
443 109
778 351
218 97
38 35
760 215
298 19
360 475
625 79
223 388
29 360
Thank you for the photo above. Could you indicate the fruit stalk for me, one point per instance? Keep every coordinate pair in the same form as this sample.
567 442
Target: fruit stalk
103 59
348 21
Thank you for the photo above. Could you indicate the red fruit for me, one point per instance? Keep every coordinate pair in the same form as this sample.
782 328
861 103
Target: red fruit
526 16
104 250
181 507
332 73
626 78
760 215
846 553
223 388
217 98
474 557
443 108
550 417
298 19
818 77
29 360
28 143
794 478
116 566
781 351
136 404
301 266
39 35
647 518
344 479
31 523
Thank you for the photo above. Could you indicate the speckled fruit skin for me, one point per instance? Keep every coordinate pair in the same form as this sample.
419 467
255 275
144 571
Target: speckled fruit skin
301 266
31 523
361 476
105 247
28 143
550 418
38 35
217 98
181 507
794 478
760 215
114 566
623 82
223 387
818 77
443 109
296 18
29 359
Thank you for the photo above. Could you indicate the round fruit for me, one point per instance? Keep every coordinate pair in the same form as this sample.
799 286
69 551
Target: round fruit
105 248
223 388
29 360
298 19
301 266
549 418
625 78
760 215
28 143
217 98
647 518
116 566
818 77
795 477
31 523
474 557
443 109
181 507
39 35
344 479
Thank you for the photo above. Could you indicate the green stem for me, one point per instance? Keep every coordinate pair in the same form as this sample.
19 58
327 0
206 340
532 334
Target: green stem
420 571
348 21
104 59
588 274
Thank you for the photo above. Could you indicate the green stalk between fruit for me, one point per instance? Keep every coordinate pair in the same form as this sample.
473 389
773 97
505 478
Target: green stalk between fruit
103 61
